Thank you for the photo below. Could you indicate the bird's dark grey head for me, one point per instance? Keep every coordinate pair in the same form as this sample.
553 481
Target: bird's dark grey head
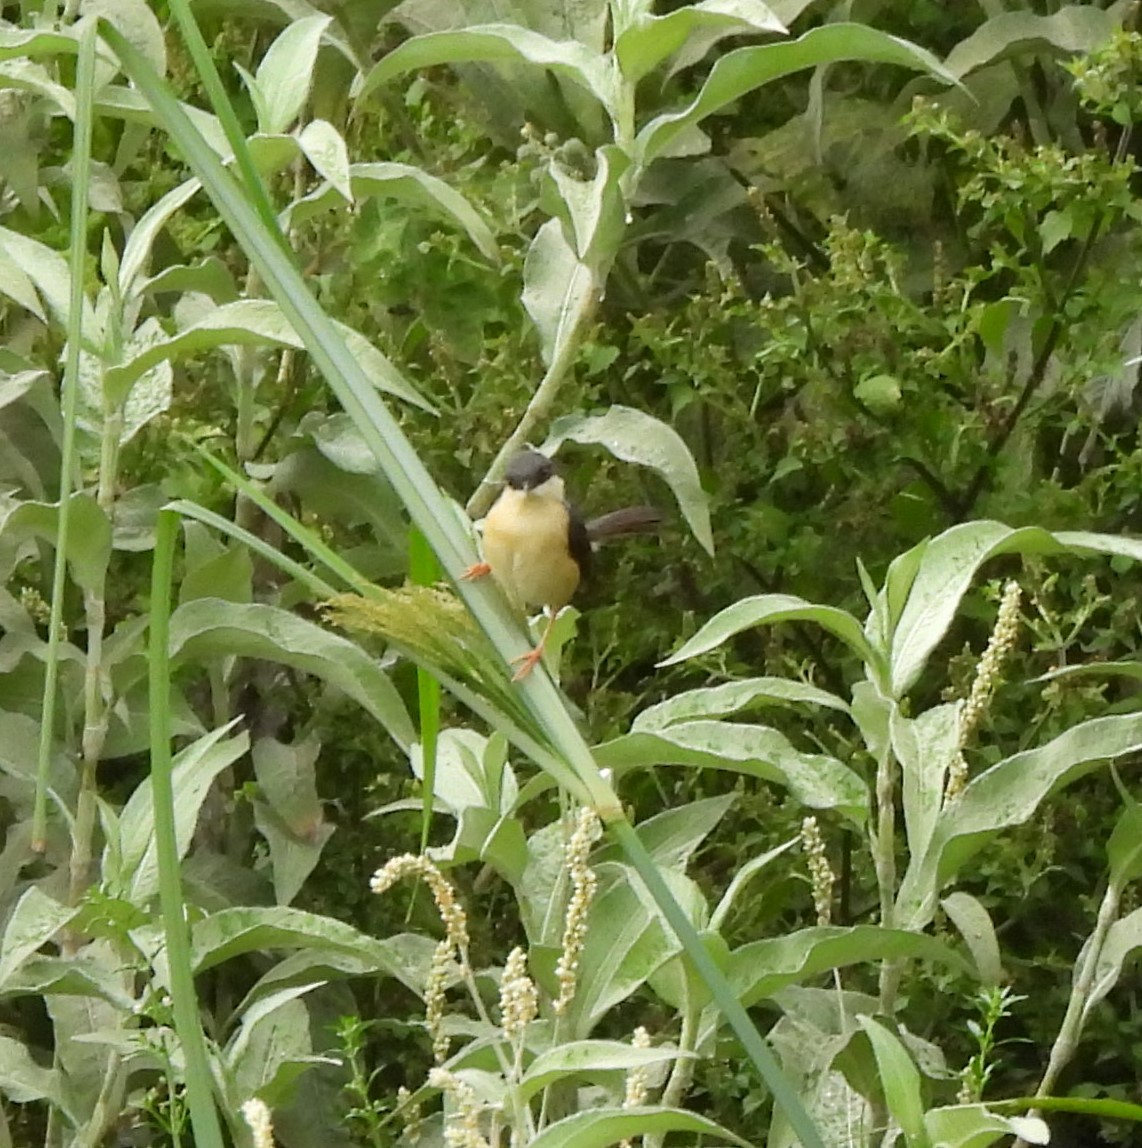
528 470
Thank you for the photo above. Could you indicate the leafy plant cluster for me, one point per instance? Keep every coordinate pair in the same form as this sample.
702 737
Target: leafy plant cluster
853 309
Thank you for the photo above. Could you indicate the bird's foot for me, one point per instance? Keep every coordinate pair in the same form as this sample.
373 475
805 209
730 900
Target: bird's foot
527 662
476 570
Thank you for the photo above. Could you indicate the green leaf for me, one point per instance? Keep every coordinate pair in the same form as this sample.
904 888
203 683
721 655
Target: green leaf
926 747
22 1080
649 39
718 701
32 923
1006 795
880 393
289 814
1123 940
259 322
209 627
594 210
402 181
49 271
194 770
973 1126
492 43
89 541
759 969
325 148
558 289
137 249
768 609
590 1057
973 922
816 780
634 436
947 568
742 71
900 1080
285 74
1124 849
626 942
1078 28
1056 226
599 1127
252 929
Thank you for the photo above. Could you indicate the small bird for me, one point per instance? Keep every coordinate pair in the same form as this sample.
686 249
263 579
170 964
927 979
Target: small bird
538 547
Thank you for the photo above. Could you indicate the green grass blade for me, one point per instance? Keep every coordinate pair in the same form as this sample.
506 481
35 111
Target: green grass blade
224 110
308 539
424 570
753 1043
199 1085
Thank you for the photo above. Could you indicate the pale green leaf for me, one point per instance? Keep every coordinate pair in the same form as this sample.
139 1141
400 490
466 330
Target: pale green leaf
634 436
137 250
89 541
408 184
769 609
1123 940
587 1057
718 701
22 1080
599 1127
211 628
256 929
1006 795
746 69
973 922
900 1081
137 21
926 747
815 780
594 209
649 40
759 969
558 289
1124 849
325 149
285 74
490 43
50 273
947 568
973 1126
1077 28
192 773
32 923
258 322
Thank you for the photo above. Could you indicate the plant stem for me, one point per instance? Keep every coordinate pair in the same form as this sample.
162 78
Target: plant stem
884 857
539 409
1071 1028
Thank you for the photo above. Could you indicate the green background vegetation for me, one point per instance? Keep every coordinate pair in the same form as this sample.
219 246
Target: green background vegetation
885 296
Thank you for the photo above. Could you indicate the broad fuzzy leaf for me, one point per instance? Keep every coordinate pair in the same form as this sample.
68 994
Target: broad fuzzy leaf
209 628
816 780
634 436
742 71
768 609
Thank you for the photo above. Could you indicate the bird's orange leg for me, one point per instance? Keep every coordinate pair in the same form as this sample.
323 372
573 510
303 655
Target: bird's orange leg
532 658
476 570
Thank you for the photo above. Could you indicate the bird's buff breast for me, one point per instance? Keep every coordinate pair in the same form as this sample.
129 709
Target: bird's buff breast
525 544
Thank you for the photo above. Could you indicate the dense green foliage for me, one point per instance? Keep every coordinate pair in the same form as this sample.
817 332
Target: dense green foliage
856 304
